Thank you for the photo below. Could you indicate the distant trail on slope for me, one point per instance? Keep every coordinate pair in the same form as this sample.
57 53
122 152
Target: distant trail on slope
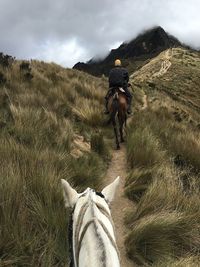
151 71
121 204
166 64
145 102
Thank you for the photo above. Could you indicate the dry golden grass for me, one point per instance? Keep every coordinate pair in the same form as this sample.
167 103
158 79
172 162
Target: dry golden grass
39 119
188 261
164 180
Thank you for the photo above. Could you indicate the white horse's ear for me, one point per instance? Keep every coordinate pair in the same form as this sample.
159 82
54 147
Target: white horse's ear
109 190
70 195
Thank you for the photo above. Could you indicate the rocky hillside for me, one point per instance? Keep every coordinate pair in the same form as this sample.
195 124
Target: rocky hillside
134 53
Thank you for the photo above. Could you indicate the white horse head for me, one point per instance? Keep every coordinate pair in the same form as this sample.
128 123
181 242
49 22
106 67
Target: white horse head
93 239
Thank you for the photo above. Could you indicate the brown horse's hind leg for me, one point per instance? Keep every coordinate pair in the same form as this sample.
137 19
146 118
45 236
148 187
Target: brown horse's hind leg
121 134
121 125
116 135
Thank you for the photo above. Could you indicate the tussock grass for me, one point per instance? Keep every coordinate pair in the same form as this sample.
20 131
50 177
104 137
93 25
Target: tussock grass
187 145
32 218
89 112
164 227
99 145
41 128
166 193
137 182
166 221
39 119
91 176
188 261
159 236
143 148
88 90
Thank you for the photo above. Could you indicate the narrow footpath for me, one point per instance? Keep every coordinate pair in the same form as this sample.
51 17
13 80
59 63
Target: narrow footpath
121 204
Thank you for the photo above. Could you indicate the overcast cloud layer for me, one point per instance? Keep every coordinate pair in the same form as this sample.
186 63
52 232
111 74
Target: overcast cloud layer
67 31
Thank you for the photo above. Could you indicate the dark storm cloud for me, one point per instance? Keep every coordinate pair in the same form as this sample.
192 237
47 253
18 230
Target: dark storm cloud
67 31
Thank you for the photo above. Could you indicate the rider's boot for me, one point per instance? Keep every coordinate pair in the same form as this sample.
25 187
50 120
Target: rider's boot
129 111
106 111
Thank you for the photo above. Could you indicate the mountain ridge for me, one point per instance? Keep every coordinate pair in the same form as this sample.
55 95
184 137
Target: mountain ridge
145 46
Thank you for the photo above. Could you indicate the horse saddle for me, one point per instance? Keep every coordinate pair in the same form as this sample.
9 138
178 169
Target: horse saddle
117 91
121 89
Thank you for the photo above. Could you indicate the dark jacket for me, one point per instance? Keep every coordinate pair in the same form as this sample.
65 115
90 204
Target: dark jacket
118 77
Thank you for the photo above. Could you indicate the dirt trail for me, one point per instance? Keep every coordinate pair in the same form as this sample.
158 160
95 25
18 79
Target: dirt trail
166 64
157 67
121 204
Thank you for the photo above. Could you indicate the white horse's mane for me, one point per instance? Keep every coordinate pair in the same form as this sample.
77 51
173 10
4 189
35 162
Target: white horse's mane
93 236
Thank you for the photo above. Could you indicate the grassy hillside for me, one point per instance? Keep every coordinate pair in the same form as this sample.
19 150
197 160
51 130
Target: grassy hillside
50 128
163 152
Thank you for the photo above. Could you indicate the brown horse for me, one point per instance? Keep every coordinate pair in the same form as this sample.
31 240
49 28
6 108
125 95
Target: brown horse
117 107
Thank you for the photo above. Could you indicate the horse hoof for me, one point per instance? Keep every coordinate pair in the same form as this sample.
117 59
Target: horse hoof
118 148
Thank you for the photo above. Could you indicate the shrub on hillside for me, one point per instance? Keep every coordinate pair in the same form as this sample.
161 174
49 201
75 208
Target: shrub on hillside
6 60
2 79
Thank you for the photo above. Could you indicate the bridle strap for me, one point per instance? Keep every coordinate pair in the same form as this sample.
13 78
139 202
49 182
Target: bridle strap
110 237
93 220
81 238
79 222
104 211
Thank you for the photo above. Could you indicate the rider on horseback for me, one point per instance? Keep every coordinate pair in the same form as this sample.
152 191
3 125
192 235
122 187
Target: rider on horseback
118 77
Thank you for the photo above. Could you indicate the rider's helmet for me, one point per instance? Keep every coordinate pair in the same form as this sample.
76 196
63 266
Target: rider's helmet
118 62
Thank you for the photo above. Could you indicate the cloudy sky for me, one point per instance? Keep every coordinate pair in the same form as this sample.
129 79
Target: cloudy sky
68 31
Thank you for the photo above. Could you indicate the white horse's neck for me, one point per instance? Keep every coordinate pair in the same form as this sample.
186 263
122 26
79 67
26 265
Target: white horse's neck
93 234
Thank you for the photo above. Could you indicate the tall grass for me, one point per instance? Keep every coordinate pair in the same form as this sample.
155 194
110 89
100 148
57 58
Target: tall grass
187 261
137 182
89 112
99 145
31 205
164 227
143 148
39 119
